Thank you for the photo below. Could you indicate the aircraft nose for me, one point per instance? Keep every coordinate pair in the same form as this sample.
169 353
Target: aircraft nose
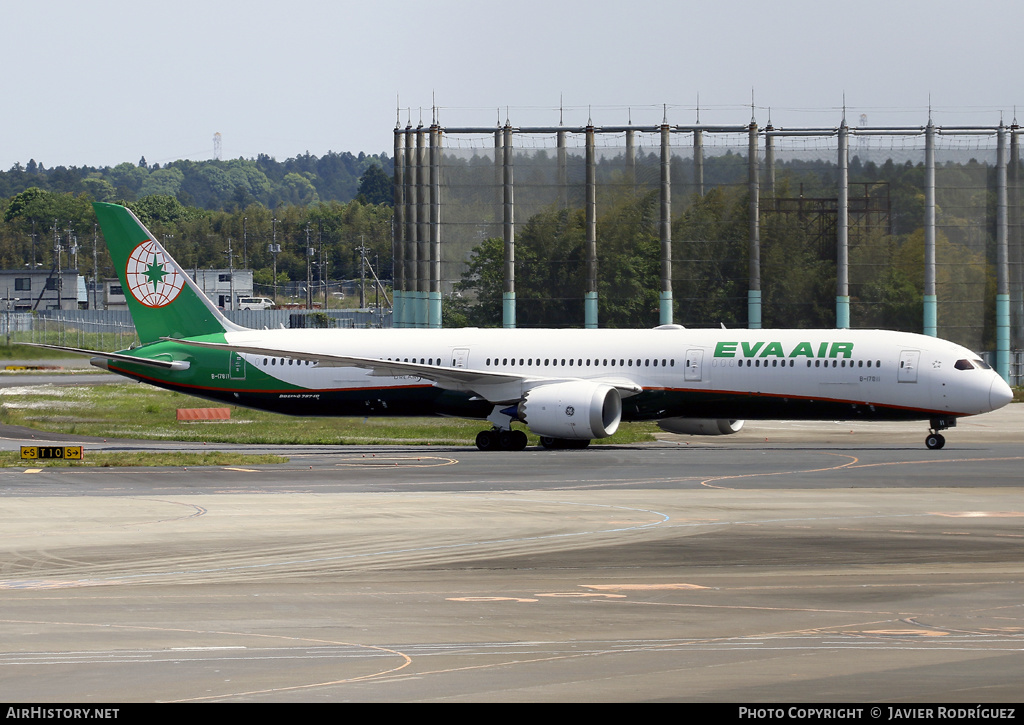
999 394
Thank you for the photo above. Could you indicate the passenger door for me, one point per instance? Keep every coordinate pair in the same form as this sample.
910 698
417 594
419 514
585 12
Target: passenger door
237 365
907 372
694 365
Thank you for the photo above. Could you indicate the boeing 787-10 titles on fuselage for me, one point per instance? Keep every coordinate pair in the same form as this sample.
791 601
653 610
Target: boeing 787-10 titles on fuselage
567 386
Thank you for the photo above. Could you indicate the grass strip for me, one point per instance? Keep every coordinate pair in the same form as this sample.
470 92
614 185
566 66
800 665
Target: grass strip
123 409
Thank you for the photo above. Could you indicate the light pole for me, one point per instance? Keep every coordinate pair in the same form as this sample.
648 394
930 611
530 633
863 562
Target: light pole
274 248
57 249
309 271
230 254
95 276
362 274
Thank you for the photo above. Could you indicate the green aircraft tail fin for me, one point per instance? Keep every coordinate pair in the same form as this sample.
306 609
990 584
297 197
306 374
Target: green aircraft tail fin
164 301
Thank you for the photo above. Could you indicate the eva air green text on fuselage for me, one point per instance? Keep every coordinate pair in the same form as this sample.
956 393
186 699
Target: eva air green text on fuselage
779 350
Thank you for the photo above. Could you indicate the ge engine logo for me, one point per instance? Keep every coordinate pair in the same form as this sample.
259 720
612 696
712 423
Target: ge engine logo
153 281
570 411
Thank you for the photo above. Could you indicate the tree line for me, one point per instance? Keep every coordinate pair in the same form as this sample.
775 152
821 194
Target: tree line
228 185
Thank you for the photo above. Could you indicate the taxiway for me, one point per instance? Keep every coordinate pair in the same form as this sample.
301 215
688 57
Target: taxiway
826 563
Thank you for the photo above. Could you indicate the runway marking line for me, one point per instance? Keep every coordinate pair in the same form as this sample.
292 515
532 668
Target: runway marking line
39 584
706 481
197 511
934 461
581 595
815 631
855 463
642 587
985 631
407 660
375 461
978 514
902 633
691 605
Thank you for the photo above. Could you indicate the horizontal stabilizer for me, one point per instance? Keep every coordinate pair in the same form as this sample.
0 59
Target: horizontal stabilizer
99 355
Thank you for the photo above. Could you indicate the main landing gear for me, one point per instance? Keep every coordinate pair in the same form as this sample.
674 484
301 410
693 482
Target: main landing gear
936 440
502 438
498 439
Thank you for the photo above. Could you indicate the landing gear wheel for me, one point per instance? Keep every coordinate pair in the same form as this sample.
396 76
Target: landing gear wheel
511 440
935 441
501 440
487 440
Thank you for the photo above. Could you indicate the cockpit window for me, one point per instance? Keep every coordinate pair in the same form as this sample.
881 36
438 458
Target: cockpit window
971 364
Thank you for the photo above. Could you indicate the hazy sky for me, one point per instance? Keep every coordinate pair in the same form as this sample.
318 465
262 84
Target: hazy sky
99 83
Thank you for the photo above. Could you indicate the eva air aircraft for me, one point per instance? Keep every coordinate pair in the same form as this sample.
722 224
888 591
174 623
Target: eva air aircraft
567 386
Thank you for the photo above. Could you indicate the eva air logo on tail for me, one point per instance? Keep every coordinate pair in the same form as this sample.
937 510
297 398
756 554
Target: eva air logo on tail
152 279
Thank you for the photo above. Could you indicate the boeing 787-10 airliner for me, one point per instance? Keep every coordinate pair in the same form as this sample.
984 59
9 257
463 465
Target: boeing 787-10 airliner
567 386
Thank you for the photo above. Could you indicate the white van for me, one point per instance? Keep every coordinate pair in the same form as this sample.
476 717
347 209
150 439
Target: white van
255 303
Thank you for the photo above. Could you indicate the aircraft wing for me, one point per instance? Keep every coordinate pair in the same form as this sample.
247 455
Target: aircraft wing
380 368
490 385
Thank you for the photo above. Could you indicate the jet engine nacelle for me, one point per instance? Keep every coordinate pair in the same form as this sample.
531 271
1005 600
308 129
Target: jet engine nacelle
700 426
573 411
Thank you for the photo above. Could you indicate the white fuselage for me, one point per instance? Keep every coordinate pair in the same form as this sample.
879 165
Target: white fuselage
868 368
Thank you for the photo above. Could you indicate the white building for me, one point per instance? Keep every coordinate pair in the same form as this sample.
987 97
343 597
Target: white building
220 284
38 289
217 284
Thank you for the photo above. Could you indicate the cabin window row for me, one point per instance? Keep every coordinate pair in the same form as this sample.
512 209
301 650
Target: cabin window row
274 361
607 362
842 363
582 362
835 363
421 361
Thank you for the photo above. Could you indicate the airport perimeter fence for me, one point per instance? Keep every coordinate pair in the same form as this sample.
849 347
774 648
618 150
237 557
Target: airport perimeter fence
610 226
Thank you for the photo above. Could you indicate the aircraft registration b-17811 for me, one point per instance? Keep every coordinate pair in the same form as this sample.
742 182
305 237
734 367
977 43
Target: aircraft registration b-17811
566 386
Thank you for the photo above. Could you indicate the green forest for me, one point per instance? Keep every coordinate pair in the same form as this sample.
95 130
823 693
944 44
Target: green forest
230 185
337 203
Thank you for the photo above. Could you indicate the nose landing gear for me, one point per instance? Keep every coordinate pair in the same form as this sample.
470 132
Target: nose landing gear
936 440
